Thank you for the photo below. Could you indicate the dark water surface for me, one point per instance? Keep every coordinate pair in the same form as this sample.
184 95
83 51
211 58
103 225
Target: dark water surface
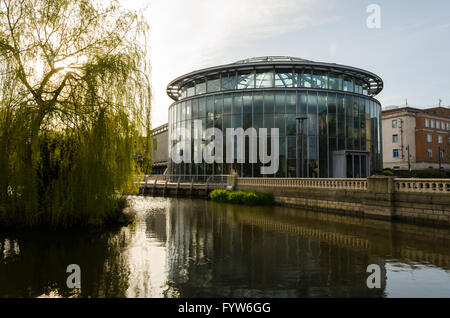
196 248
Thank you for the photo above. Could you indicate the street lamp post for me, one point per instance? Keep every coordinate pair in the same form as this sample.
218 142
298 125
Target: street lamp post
409 159
439 157
300 120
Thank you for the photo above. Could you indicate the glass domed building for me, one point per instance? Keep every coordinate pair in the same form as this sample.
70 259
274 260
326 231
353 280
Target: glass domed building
328 120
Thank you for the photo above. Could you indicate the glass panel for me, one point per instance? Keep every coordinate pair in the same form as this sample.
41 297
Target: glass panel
269 102
306 79
356 125
248 103
237 104
210 112
258 121
264 79
227 101
282 167
291 147
298 78
246 80
257 103
323 136
320 79
283 79
195 109
228 81
190 90
183 92
202 108
349 121
335 81
358 87
362 124
218 111
213 84
313 168
200 88
312 114
280 123
269 120
341 122
291 103
290 126
280 103
332 115
348 84
365 91
301 103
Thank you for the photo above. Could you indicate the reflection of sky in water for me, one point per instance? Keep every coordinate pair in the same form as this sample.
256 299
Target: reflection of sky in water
146 254
416 280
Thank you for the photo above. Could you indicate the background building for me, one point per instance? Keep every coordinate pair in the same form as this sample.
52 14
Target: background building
160 149
328 120
425 131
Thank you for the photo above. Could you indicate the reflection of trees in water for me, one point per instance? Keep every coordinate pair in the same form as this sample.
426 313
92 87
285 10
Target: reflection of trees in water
40 266
213 252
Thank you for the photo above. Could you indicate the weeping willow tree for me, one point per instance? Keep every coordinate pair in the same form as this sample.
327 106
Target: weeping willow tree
74 110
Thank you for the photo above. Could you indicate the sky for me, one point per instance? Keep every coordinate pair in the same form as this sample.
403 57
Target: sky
410 50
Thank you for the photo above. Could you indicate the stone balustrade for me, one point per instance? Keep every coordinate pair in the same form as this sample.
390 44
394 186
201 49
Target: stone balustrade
343 184
422 185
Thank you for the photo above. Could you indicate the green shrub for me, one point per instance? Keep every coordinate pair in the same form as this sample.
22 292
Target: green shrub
242 197
219 195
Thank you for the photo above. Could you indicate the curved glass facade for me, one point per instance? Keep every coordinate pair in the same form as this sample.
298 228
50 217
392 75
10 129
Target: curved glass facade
328 125
286 78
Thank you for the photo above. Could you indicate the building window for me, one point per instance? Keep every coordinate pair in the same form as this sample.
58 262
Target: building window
432 123
395 153
264 79
283 79
438 124
430 153
348 85
429 138
394 123
440 139
448 126
441 153
335 82
394 138
427 123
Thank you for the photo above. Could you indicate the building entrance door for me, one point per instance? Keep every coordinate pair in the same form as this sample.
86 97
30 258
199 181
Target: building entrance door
351 164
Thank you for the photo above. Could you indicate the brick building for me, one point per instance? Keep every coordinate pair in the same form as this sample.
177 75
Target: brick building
426 132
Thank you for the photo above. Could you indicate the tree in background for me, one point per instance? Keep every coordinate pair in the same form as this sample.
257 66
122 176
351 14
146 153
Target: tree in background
74 106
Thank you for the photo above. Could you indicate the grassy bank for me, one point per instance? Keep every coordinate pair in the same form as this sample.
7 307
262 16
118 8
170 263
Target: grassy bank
242 197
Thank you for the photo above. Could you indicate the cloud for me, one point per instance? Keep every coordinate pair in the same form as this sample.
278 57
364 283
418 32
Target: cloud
332 50
189 35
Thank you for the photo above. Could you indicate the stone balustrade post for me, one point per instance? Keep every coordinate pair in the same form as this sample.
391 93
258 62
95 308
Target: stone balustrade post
380 197
231 180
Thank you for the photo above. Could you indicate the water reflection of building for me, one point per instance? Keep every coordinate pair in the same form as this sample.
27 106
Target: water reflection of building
219 252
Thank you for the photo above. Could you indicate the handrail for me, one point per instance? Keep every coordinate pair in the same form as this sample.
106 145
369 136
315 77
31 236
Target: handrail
422 185
322 183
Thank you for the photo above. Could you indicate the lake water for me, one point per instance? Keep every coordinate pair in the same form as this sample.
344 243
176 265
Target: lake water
197 248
